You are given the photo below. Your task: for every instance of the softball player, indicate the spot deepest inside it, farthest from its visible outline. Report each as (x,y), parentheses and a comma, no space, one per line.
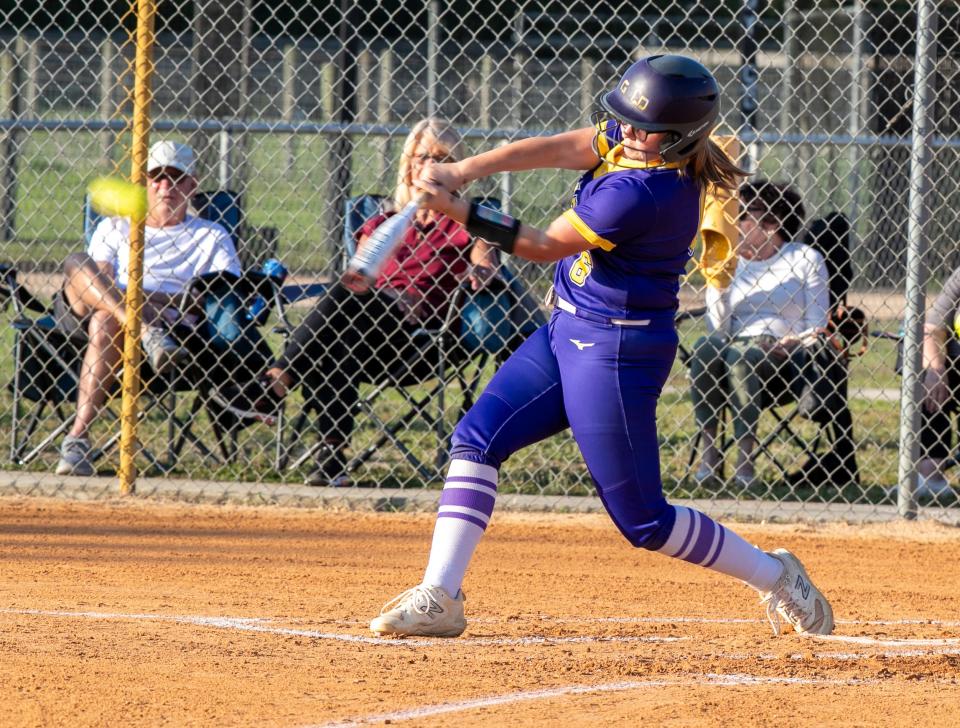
(599,365)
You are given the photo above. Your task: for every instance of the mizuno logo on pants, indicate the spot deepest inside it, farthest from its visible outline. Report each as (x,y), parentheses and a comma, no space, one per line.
(581,345)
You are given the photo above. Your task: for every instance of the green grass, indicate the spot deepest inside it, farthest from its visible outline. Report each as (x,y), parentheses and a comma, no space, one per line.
(555,466)
(288,189)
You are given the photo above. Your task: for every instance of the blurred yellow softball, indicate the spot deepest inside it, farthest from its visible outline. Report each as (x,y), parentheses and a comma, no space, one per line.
(115,196)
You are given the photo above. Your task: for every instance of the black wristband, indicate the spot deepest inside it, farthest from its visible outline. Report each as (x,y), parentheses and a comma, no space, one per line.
(495,227)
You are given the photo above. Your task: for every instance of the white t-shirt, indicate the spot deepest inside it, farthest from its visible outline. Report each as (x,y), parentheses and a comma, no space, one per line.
(172,255)
(785,294)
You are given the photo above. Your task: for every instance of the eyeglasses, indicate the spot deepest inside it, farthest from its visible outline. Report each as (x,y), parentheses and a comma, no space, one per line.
(173,176)
(757,213)
(438,158)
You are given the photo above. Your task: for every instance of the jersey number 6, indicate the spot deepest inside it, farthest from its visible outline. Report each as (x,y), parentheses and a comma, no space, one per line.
(582,268)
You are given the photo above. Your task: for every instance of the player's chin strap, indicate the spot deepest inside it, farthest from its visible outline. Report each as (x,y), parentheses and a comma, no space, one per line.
(498,229)
(599,120)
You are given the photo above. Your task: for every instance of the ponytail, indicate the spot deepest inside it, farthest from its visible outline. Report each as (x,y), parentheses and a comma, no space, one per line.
(710,166)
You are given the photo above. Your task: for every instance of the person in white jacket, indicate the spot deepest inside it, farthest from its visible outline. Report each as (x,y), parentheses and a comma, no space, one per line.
(753,354)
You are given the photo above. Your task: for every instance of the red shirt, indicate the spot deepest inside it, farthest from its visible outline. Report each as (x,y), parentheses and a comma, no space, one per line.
(427,265)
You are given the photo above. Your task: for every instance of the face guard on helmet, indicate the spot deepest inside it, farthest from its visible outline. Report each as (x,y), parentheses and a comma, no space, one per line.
(671,94)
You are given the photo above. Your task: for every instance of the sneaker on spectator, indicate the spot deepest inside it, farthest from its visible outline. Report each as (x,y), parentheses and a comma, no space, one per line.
(707,476)
(711,467)
(75,457)
(931,487)
(331,469)
(255,400)
(162,350)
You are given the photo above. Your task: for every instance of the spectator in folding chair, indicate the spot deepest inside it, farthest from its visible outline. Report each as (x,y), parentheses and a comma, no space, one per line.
(941,384)
(352,337)
(90,306)
(754,355)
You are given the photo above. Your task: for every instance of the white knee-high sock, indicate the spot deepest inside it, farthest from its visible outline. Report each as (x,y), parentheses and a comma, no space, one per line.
(699,539)
(466,505)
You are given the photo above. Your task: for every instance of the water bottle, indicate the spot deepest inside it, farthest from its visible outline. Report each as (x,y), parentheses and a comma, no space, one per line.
(278,272)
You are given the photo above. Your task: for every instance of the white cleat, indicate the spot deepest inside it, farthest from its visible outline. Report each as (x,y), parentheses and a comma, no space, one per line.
(424,611)
(796,599)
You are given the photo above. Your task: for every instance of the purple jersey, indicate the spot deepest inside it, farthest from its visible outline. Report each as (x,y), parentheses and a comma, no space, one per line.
(643,221)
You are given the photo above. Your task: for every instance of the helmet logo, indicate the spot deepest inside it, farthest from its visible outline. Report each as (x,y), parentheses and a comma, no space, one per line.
(640,101)
(624,86)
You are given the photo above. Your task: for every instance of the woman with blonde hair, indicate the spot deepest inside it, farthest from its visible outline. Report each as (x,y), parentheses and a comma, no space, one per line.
(440,136)
(359,334)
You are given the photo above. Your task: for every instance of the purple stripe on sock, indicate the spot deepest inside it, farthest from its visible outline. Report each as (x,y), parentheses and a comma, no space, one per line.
(472,481)
(716,553)
(691,521)
(468,498)
(463,517)
(704,540)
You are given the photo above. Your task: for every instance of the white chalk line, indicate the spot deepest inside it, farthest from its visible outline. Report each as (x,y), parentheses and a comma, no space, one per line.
(257,624)
(887,642)
(247,624)
(909,622)
(712,679)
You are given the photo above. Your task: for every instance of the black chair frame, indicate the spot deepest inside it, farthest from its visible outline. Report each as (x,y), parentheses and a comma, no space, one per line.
(453,363)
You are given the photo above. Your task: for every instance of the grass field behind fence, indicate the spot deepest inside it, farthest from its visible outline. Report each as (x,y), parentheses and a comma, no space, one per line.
(555,467)
(287,188)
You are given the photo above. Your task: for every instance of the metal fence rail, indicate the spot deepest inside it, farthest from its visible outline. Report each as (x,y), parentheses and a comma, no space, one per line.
(296,108)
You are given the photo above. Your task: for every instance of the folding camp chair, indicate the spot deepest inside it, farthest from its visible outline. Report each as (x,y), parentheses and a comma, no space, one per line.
(829,457)
(478,325)
(48,362)
(47,367)
(46,373)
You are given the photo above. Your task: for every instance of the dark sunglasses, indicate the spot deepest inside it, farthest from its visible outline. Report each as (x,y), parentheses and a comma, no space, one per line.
(173,176)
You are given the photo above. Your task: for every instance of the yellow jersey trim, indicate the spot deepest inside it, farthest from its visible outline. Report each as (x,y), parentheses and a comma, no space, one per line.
(603,146)
(614,161)
(591,237)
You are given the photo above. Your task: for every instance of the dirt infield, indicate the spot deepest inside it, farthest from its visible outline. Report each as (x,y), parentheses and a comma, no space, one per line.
(152,614)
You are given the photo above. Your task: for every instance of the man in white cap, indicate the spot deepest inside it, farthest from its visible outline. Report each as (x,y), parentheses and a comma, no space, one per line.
(90,307)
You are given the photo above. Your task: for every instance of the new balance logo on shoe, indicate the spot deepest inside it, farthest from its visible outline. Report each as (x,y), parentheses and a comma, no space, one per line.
(422,611)
(581,345)
(432,607)
(795,599)
(819,615)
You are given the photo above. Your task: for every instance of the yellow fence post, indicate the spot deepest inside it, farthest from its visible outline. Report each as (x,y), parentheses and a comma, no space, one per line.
(142,95)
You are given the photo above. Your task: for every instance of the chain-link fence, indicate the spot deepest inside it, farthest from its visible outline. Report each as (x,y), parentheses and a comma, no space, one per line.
(295,111)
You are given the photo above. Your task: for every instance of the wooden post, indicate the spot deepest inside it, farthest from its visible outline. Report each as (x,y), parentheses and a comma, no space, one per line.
(219,27)
(486,81)
(291,62)
(340,160)
(108,51)
(517,106)
(29,53)
(328,76)
(11,107)
(365,68)
(384,105)
(587,94)
(486,187)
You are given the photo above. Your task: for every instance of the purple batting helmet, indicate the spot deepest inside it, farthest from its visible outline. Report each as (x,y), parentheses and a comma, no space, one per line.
(667,94)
